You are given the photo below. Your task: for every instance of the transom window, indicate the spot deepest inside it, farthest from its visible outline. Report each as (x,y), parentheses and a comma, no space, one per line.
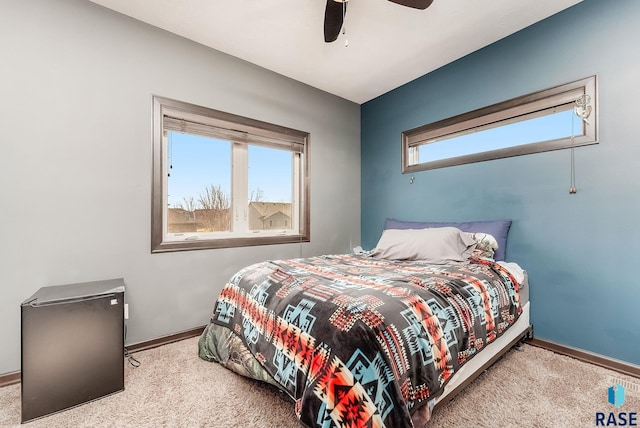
(221,180)
(552,119)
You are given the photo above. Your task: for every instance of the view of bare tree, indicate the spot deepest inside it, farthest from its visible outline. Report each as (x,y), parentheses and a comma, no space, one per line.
(214,198)
(211,211)
(188,204)
(257,195)
(214,213)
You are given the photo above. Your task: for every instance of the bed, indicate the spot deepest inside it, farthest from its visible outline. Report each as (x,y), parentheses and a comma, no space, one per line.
(379,338)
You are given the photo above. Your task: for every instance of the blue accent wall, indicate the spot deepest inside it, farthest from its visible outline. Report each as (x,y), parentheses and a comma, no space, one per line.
(580,251)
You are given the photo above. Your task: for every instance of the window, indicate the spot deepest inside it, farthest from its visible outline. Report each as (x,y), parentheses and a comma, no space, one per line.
(551,119)
(221,180)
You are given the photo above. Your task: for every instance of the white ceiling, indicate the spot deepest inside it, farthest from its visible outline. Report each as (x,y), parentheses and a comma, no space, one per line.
(388,44)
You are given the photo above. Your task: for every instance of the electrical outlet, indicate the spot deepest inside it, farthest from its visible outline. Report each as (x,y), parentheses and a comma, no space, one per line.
(126,311)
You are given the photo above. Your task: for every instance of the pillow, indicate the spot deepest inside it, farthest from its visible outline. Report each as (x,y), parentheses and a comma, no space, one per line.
(434,245)
(497,228)
(486,244)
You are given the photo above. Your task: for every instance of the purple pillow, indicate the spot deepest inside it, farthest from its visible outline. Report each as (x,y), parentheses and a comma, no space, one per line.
(498,228)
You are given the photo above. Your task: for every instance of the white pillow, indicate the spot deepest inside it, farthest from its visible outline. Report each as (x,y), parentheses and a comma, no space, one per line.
(434,245)
(486,244)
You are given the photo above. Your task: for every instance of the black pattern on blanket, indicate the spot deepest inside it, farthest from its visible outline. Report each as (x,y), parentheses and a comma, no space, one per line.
(358,341)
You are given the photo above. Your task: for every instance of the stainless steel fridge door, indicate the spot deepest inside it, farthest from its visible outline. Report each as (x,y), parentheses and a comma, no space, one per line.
(72,352)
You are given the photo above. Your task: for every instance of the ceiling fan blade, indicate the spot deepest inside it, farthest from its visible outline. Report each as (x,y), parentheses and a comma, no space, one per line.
(416,4)
(333,20)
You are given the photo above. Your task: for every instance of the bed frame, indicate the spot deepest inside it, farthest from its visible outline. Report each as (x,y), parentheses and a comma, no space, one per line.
(520,331)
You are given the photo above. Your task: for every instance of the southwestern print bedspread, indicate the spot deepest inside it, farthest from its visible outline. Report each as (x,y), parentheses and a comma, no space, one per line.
(364,342)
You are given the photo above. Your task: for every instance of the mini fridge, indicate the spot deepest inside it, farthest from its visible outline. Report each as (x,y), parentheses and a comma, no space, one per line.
(72,346)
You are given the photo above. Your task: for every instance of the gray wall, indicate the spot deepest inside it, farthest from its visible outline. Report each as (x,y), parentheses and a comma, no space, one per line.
(580,250)
(76,82)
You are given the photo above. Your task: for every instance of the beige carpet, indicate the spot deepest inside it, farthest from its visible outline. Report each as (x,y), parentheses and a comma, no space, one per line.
(174,388)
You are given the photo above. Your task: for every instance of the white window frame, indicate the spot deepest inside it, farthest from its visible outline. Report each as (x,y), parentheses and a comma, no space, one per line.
(173,115)
(521,108)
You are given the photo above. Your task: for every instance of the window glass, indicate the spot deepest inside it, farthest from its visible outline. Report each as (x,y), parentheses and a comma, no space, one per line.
(554,126)
(198,184)
(557,118)
(270,188)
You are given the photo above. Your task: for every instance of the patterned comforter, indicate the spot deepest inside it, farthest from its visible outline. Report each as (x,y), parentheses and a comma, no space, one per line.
(358,341)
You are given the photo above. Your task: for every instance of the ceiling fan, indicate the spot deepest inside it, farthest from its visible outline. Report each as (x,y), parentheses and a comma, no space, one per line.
(335,12)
